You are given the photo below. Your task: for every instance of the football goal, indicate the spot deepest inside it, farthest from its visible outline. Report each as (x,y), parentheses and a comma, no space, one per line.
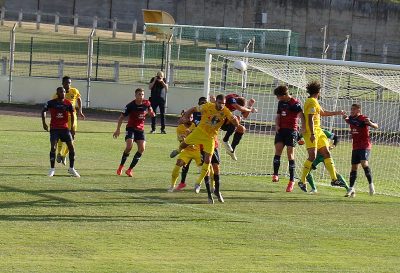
(375,86)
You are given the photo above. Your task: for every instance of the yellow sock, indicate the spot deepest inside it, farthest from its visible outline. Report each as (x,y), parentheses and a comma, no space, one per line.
(65,150)
(306,170)
(212,177)
(59,146)
(203,173)
(175,174)
(330,166)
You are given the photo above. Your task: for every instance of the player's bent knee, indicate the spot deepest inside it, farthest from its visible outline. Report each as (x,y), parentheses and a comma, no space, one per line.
(241,129)
(180,163)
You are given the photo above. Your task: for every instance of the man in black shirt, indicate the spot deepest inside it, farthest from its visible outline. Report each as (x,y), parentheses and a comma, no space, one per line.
(159,88)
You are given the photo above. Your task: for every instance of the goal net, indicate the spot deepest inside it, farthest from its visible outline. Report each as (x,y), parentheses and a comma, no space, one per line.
(375,86)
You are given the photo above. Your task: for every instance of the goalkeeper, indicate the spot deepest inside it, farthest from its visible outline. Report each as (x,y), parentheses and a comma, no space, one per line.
(310,179)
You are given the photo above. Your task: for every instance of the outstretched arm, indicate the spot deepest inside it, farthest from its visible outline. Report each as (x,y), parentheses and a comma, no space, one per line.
(186,116)
(332,113)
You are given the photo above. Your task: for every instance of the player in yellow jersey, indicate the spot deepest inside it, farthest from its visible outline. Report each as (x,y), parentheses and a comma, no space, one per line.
(74,97)
(213,115)
(187,154)
(314,137)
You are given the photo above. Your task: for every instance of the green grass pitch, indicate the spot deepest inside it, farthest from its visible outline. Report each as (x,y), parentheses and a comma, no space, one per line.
(105,223)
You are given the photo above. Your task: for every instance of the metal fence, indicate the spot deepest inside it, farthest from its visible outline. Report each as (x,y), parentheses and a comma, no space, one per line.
(42,51)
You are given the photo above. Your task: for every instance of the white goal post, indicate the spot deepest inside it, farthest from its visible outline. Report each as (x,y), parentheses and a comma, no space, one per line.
(375,86)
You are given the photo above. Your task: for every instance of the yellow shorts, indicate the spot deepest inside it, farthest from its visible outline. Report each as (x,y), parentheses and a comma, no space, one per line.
(199,137)
(187,155)
(75,126)
(320,140)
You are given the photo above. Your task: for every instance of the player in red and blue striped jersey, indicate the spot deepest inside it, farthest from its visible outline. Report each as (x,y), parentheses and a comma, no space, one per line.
(286,125)
(136,112)
(361,147)
(60,109)
(235,102)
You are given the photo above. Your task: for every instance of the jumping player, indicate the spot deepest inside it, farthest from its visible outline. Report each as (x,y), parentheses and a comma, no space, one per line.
(195,121)
(236,102)
(60,111)
(136,111)
(361,147)
(213,116)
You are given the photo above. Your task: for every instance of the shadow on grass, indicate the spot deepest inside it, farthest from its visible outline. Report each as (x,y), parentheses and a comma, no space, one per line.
(107,218)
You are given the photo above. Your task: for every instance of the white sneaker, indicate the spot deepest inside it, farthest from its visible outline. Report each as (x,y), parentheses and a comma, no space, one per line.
(229,150)
(371,189)
(171,189)
(197,188)
(52,171)
(73,172)
(350,193)
(228,147)
(233,156)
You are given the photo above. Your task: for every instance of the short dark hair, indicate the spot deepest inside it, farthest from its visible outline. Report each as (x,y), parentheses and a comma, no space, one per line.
(60,88)
(139,90)
(241,101)
(356,105)
(313,87)
(281,90)
(220,97)
(66,78)
(202,100)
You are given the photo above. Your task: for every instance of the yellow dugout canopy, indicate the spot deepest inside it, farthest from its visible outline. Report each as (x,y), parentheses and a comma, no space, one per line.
(158,17)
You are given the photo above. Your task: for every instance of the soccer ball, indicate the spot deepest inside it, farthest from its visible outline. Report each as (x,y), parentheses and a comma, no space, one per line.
(240,66)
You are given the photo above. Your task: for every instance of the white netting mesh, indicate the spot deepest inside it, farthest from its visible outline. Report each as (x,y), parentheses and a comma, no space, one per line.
(376,89)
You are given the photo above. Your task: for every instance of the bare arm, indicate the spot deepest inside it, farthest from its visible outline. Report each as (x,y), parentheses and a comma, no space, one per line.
(372,124)
(303,122)
(186,116)
(79,101)
(151,112)
(118,130)
(311,127)
(277,121)
(44,124)
(72,122)
(331,113)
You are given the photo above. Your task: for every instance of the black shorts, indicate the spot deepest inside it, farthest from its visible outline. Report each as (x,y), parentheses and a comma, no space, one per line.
(359,155)
(60,134)
(288,137)
(214,158)
(134,134)
(228,126)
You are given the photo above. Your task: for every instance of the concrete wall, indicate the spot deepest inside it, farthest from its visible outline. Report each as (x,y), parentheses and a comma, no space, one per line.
(371,24)
(104,95)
